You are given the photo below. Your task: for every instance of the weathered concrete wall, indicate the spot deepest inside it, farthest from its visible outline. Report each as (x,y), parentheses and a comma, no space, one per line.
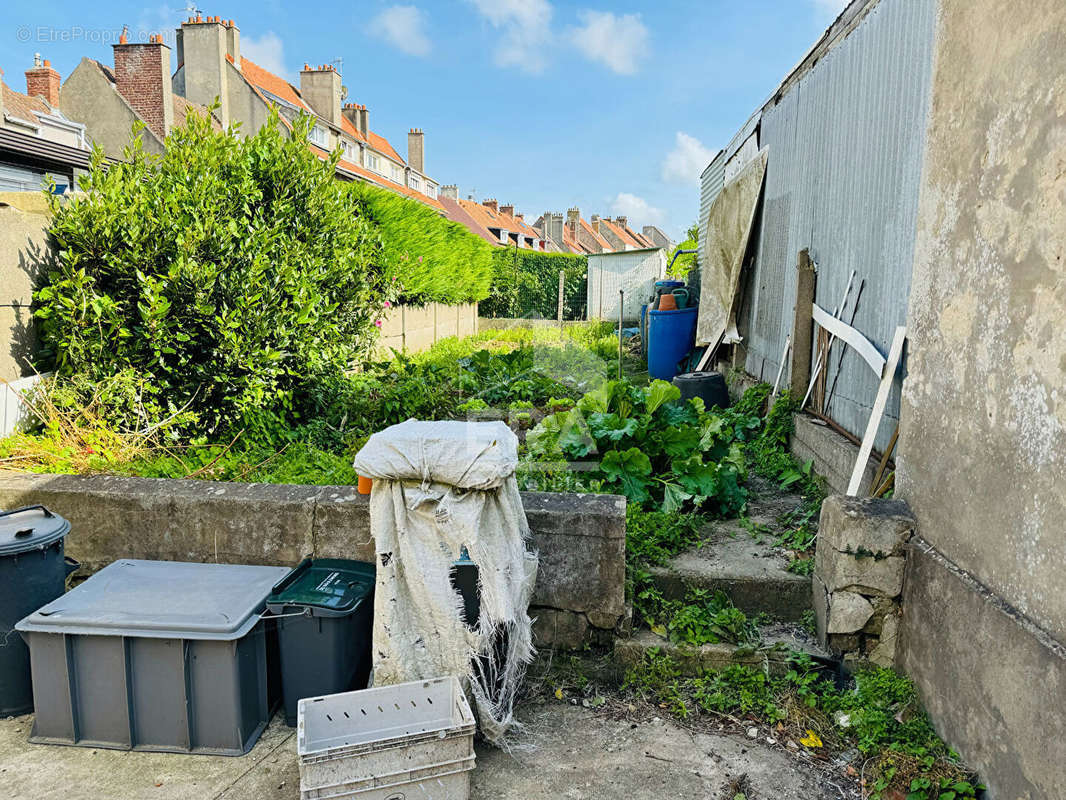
(580,591)
(983,422)
(984,435)
(994,683)
(418,328)
(24,256)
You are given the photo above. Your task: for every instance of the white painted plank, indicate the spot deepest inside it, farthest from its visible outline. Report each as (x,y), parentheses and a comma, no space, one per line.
(841,330)
(895,352)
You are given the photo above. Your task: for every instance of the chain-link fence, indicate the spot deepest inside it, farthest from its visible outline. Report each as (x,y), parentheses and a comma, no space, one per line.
(527,285)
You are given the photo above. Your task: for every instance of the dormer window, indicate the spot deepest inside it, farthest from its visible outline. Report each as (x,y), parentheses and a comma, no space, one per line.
(317,136)
(373,162)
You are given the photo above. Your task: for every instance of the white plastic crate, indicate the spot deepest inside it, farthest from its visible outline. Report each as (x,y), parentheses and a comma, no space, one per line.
(413,739)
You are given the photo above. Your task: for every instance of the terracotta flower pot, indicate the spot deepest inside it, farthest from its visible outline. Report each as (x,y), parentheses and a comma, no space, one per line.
(667,302)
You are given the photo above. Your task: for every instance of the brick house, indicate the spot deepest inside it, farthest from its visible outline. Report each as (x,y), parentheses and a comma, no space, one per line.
(499,224)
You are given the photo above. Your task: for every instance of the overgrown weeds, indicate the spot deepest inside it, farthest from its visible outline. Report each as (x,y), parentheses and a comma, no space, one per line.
(878,715)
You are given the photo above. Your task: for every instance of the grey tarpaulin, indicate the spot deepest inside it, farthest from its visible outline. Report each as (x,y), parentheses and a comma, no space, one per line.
(440,487)
(726,232)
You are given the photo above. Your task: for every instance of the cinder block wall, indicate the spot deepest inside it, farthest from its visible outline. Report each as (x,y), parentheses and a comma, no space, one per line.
(579,595)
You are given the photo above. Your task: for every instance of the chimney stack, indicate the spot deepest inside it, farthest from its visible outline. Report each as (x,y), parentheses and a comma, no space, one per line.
(43,80)
(520,217)
(490,204)
(573,217)
(553,227)
(451,191)
(203,47)
(416,150)
(142,77)
(508,210)
(321,87)
(621,221)
(594,220)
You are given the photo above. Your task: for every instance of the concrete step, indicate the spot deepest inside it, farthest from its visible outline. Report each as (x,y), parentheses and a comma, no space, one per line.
(771,655)
(741,560)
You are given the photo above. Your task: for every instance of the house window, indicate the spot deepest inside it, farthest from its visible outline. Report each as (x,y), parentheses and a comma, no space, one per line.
(318,136)
(397,174)
(349,151)
(415,183)
(431,190)
(373,162)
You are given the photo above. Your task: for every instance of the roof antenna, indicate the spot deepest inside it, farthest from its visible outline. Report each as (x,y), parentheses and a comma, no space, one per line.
(338,62)
(192,9)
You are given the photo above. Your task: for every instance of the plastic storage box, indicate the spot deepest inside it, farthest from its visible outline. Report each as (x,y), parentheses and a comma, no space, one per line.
(154,655)
(324,610)
(408,740)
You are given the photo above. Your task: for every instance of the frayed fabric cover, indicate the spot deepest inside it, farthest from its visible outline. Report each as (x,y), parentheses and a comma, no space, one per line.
(440,487)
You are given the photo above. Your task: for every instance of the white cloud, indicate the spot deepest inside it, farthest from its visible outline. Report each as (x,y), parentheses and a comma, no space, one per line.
(267,51)
(526,29)
(637,209)
(619,42)
(687,160)
(404,27)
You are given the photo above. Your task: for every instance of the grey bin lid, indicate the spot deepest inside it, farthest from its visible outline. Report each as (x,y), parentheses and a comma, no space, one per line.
(161,600)
(30,528)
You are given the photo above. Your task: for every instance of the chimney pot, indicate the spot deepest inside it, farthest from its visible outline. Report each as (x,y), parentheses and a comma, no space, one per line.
(43,80)
(199,19)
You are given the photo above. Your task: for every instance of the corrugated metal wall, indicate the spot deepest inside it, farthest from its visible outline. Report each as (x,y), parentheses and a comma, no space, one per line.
(711,182)
(845,150)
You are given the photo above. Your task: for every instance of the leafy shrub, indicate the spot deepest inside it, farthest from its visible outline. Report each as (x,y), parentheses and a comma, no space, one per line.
(436,259)
(654,450)
(525,283)
(226,275)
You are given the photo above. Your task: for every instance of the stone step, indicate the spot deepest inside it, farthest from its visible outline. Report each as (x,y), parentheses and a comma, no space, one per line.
(753,575)
(771,655)
(740,559)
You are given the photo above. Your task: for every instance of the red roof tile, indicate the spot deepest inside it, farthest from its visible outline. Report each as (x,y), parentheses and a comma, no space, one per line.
(600,240)
(456,213)
(22,106)
(269,82)
(487,218)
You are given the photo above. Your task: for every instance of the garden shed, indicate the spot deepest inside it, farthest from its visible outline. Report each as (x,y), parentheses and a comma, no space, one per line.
(634,272)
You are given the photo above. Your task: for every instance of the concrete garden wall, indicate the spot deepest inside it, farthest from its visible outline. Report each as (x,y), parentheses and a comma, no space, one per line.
(418,328)
(580,591)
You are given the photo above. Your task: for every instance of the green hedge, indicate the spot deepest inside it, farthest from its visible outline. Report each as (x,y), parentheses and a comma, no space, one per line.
(525,283)
(436,260)
(218,280)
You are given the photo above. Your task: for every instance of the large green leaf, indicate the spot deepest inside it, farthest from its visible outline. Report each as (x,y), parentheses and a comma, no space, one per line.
(679,442)
(659,392)
(631,469)
(697,477)
(611,427)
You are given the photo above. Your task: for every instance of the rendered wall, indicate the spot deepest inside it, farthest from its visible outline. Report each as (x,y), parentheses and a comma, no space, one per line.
(579,595)
(418,328)
(983,413)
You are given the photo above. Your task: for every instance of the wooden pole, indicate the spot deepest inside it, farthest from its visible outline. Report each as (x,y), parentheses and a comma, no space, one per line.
(562,279)
(802,324)
(621,302)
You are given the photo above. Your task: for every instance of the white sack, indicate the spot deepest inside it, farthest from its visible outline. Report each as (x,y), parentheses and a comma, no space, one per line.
(440,487)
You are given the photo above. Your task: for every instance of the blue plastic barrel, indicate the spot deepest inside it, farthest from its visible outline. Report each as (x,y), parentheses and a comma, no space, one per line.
(671,336)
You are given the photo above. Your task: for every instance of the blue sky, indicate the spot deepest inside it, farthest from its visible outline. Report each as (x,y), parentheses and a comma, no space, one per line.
(612,107)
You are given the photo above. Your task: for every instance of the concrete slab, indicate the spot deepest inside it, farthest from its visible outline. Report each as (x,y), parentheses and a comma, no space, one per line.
(52,772)
(570,752)
(583,755)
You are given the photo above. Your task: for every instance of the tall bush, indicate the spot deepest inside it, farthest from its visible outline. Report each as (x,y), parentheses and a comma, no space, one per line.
(219,278)
(525,283)
(437,260)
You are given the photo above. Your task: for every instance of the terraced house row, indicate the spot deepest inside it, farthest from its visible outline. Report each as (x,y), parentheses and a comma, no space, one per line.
(100,103)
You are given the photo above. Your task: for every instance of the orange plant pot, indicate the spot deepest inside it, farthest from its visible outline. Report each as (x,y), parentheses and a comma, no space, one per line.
(667,302)
(365,485)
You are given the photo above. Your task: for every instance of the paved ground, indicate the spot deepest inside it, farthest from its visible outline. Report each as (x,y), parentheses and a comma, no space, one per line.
(572,753)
